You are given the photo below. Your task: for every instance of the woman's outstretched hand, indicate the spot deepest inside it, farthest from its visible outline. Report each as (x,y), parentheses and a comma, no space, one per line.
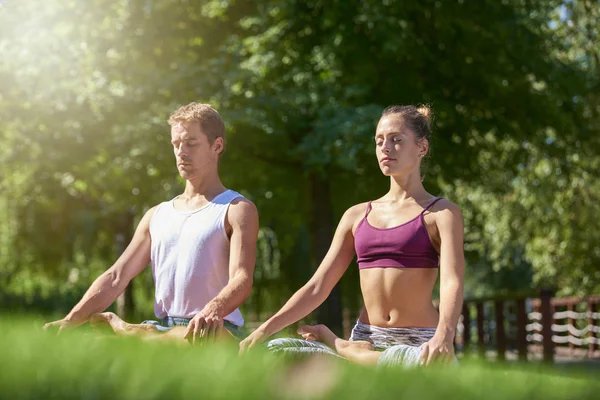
(256,337)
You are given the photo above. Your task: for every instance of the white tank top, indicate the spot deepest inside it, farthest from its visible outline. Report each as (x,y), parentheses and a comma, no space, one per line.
(190,257)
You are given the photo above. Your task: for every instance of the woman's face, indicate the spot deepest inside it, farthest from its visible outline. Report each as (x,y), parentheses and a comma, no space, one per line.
(397,148)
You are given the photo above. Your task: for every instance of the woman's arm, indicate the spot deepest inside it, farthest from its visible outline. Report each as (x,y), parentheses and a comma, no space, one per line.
(449,222)
(314,293)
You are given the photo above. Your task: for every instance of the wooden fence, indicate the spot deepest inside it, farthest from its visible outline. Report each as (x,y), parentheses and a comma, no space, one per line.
(530,325)
(534,325)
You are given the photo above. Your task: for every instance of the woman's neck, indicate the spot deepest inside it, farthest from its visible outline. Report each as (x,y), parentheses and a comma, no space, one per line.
(406,186)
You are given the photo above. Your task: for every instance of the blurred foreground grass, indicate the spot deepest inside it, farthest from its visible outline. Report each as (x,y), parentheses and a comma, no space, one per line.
(84,365)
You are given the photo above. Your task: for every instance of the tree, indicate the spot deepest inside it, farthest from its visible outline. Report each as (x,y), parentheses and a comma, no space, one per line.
(85,90)
(315,75)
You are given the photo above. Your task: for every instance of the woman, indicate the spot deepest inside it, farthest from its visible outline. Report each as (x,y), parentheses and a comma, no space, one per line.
(400,239)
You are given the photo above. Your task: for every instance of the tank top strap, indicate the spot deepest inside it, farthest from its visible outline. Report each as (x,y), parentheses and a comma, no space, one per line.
(431,204)
(228,196)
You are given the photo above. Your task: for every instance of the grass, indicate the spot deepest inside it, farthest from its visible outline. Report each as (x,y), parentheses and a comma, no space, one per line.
(84,365)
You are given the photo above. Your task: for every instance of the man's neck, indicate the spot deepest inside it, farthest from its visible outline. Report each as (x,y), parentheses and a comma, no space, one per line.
(203,189)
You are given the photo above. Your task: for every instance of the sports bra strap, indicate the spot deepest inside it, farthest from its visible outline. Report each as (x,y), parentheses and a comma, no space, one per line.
(368,209)
(431,204)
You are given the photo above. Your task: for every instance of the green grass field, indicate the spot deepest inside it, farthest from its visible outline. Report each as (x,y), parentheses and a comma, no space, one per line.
(85,365)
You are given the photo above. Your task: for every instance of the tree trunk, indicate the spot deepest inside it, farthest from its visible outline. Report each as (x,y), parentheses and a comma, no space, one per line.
(125,304)
(321,232)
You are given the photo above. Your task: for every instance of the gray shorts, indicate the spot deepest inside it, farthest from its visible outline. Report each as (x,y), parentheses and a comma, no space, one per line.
(169,323)
(400,346)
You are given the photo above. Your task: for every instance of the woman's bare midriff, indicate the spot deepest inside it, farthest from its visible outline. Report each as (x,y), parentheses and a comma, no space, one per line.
(398,297)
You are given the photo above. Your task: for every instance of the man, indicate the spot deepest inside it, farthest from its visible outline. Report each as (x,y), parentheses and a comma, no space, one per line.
(202,245)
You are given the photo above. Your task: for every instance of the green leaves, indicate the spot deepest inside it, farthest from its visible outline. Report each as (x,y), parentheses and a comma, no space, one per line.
(85,90)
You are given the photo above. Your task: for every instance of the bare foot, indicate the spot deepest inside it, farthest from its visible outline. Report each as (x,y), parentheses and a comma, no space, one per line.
(118,325)
(102,320)
(319,332)
(359,351)
(310,332)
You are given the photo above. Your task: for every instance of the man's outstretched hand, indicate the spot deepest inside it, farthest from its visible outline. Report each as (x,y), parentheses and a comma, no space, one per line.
(61,325)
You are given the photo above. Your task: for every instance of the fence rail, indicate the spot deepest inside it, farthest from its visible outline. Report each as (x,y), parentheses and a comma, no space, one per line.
(531,323)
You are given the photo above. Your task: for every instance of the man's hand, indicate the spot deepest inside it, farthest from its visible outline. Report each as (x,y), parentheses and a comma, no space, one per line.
(62,324)
(438,349)
(206,324)
(256,337)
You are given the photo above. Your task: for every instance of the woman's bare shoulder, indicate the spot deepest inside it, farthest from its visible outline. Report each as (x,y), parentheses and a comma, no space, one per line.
(356,211)
(444,209)
(354,215)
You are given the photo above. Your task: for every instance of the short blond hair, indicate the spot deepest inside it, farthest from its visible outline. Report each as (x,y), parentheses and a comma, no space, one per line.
(211,123)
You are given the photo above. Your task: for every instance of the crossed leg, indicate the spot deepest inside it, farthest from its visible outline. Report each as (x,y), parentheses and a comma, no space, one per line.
(146,331)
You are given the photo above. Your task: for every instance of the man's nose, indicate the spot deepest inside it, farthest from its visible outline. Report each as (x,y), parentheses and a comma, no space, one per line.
(180,151)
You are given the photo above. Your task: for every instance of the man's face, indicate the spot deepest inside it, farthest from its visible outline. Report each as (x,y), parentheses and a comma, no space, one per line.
(193,154)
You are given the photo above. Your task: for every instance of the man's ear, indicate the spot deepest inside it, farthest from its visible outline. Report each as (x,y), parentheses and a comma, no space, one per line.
(219,145)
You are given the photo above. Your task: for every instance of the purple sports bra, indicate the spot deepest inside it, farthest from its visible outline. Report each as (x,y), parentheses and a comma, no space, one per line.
(403,246)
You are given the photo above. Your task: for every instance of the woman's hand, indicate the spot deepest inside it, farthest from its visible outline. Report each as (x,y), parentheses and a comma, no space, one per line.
(256,337)
(438,349)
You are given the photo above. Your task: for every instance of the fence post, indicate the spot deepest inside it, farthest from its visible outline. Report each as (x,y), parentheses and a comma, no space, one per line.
(570,321)
(500,335)
(592,307)
(521,330)
(480,332)
(547,318)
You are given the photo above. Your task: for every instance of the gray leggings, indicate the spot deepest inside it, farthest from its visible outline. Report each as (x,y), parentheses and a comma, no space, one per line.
(399,346)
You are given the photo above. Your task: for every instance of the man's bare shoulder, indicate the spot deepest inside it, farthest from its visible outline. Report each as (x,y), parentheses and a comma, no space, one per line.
(150,213)
(145,221)
(242,209)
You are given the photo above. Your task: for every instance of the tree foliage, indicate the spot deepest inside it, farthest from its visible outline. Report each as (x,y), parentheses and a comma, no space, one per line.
(85,90)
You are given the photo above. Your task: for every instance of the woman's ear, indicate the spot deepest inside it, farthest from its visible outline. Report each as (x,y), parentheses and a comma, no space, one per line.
(423,147)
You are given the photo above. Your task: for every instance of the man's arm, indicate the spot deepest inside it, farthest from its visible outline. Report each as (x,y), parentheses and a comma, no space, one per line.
(108,286)
(242,217)
(452,270)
